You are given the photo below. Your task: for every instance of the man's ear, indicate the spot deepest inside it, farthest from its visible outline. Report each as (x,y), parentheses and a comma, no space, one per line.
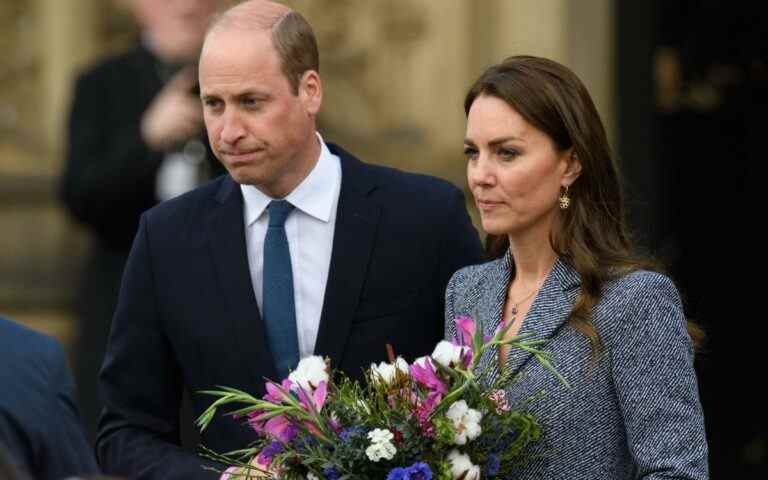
(311,92)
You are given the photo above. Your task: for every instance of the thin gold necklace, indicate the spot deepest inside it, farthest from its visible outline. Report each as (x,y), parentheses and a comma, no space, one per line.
(516,304)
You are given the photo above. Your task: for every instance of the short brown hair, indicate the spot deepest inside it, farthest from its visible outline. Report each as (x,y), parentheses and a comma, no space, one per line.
(296,46)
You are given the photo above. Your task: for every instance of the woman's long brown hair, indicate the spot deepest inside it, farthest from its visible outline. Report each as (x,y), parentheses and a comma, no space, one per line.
(592,233)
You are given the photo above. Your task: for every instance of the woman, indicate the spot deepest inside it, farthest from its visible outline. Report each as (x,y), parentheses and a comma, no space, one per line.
(548,193)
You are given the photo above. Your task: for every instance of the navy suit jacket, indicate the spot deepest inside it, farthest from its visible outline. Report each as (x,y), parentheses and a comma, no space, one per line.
(39,421)
(187,316)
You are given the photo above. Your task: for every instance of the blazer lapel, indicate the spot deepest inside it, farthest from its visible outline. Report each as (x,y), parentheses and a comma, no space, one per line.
(226,232)
(549,312)
(357,218)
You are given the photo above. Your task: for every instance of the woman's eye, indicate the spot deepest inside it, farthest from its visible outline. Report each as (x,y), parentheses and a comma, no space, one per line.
(470,152)
(508,153)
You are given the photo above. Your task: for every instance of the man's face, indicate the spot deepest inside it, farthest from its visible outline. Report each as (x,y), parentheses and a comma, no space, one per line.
(261,131)
(175,27)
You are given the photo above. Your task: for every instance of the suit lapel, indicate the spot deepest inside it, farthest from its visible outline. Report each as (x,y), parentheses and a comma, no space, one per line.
(226,232)
(548,313)
(357,219)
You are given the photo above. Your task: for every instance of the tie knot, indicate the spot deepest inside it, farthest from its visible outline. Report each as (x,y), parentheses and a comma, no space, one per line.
(278,212)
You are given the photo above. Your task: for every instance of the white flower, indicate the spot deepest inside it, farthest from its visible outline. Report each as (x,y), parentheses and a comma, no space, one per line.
(466,422)
(381,445)
(310,372)
(380,435)
(386,371)
(312,476)
(377,451)
(447,353)
(461,463)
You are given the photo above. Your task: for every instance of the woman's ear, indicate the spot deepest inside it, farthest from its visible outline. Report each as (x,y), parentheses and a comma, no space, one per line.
(572,167)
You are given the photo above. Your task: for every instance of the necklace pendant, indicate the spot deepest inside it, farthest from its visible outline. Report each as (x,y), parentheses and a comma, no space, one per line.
(514,310)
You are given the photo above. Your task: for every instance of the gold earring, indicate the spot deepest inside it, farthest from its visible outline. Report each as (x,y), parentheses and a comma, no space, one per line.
(564,199)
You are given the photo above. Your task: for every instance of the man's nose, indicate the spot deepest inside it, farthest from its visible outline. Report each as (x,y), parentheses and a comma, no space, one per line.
(232,129)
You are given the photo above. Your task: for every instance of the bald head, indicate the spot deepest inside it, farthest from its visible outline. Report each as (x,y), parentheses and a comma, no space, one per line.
(258,14)
(292,36)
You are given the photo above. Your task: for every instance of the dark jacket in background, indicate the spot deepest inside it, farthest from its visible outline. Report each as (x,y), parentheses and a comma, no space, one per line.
(39,420)
(109,180)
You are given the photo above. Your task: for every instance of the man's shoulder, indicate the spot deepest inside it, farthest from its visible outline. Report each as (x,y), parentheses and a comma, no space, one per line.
(29,361)
(116,66)
(390,179)
(19,340)
(192,203)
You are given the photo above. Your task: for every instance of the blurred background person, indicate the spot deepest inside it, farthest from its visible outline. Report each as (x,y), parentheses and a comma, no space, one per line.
(135,138)
(40,424)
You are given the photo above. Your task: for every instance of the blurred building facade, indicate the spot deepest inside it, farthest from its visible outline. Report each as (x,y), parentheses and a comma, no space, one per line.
(395,73)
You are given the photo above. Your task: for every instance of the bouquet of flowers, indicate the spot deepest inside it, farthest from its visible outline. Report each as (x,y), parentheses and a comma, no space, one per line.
(433,419)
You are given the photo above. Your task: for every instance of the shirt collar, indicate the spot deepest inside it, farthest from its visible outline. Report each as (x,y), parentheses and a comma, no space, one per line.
(313,196)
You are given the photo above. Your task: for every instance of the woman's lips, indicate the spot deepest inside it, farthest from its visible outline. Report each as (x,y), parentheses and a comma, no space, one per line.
(486,205)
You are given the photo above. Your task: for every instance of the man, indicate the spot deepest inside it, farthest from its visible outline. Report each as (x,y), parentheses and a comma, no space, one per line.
(302,249)
(135,138)
(39,422)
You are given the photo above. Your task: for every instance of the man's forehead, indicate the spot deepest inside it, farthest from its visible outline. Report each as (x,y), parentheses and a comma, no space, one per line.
(236,37)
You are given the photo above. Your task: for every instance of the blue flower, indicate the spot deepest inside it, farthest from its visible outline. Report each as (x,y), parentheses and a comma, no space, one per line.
(418,471)
(492,465)
(331,473)
(349,433)
(398,474)
(269,452)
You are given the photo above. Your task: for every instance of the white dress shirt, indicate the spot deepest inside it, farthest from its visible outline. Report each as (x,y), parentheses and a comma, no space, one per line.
(309,229)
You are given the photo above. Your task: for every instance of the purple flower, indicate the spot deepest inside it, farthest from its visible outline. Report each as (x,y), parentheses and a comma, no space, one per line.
(398,474)
(348,434)
(266,455)
(331,473)
(418,471)
(492,465)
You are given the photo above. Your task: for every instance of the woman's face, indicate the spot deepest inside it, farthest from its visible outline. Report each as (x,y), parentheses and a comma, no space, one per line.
(514,170)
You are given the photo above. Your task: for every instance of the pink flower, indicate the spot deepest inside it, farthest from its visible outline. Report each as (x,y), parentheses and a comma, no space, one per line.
(424,373)
(280,428)
(465,329)
(277,393)
(255,421)
(314,401)
(424,409)
(499,397)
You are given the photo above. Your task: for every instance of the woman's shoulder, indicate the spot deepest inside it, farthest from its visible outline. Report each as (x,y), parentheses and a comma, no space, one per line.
(640,285)
(472,274)
(642,296)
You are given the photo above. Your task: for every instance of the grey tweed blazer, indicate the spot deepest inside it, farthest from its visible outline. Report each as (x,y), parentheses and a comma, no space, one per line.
(635,413)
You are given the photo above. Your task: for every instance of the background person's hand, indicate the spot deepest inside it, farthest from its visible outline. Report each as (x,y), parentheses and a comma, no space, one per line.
(175,114)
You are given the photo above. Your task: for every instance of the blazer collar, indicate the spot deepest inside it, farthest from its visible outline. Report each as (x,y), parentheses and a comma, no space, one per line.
(548,313)
(357,220)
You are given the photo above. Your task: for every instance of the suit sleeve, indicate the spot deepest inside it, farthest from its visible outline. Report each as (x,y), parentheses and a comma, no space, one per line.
(109,168)
(459,243)
(64,450)
(652,367)
(141,385)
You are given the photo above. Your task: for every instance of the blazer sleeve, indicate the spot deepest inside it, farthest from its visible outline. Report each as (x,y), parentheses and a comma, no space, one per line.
(141,385)
(64,450)
(460,245)
(652,367)
(454,285)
